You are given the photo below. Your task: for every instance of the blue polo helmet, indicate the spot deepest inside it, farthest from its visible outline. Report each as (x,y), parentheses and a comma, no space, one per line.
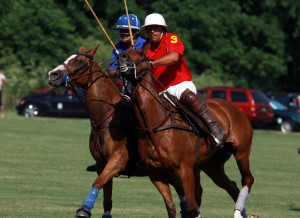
(122,22)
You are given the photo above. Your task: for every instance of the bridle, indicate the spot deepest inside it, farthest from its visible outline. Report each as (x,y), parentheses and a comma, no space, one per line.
(69,83)
(66,78)
(130,65)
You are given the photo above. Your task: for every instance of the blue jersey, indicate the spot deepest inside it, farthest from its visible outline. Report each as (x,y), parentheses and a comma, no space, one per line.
(121,47)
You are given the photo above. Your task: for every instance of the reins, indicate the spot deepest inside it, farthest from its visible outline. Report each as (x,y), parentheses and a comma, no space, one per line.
(168,107)
(68,82)
(141,77)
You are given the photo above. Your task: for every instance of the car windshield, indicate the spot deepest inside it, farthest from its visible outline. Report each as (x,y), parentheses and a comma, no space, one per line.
(260,97)
(277,106)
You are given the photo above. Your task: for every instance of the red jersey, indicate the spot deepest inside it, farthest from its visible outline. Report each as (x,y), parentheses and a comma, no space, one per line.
(173,74)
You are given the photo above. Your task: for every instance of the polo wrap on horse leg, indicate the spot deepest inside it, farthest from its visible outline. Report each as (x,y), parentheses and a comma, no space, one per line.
(199,107)
(240,202)
(183,207)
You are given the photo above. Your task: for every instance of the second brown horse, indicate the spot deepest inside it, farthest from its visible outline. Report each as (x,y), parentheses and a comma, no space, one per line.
(175,148)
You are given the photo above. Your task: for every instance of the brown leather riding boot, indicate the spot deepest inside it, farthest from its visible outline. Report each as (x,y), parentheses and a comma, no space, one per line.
(199,107)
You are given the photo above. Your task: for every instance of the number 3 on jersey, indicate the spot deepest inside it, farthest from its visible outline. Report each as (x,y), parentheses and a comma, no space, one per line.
(174,39)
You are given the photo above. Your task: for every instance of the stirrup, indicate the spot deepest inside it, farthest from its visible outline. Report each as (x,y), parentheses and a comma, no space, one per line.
(126,97)
(216,142)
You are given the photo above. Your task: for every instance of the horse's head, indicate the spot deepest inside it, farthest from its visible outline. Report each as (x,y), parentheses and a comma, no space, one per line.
(75,69)
(133,63)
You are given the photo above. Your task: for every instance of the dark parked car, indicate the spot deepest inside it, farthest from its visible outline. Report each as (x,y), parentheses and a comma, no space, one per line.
(254,103)
(290,100)
(285,119)
(61,102)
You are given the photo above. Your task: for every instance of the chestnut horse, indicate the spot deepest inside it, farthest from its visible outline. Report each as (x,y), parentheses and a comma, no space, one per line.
(174,148)
(113,141)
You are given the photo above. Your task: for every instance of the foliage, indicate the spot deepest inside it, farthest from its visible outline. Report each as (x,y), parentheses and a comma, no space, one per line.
(243,43)
(209,79)
(36,36)
(223,39)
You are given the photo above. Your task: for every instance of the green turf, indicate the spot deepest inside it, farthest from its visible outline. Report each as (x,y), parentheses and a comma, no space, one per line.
(42,174)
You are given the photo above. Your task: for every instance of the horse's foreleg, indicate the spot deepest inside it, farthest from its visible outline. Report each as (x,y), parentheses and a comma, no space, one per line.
(181,195)
(176,183)
(107,199)
(188,183)
(164,189)
(198,188)
(115,164)
(198,195)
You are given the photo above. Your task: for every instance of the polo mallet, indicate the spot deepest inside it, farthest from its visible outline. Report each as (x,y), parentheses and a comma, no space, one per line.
(107,36)
(129,26)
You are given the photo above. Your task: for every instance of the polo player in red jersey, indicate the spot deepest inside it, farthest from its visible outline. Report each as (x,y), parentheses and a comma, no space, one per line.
(166,51)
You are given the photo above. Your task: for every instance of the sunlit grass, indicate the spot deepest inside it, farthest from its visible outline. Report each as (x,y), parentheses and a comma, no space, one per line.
(42,174)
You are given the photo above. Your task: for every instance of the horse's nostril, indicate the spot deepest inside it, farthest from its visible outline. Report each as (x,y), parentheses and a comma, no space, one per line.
(54,75)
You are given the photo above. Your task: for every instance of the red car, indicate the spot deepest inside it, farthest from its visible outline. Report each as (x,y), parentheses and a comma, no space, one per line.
(254,103)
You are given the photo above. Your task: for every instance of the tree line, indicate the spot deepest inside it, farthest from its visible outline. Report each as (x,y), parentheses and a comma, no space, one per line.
(245,43)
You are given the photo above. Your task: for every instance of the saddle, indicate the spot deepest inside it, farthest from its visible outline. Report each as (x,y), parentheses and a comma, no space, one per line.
(187,115)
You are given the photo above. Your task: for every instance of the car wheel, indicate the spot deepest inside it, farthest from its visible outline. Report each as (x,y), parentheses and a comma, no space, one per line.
(287,126)
(31,110)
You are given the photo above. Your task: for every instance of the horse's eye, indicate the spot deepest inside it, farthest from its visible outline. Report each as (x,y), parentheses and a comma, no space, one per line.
(141,53)
(79,61)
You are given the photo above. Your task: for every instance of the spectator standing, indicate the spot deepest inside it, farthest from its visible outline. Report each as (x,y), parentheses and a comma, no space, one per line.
(3,81)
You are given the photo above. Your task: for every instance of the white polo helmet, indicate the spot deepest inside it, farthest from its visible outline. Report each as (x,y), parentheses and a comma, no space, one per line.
(155,19)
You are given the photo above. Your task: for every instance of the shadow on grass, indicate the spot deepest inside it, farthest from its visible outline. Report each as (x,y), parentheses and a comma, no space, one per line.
(294,208)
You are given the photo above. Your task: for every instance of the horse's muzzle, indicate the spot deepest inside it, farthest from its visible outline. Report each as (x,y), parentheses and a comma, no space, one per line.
(124,64)
(123,59)
(54,78)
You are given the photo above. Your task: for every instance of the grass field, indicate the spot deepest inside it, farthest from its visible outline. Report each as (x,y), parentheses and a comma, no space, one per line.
(42,174)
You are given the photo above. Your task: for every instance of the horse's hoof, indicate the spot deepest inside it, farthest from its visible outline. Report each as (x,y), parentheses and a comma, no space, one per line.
(237,214)
(83,212)
(106,216)
(253,216)
(92,168)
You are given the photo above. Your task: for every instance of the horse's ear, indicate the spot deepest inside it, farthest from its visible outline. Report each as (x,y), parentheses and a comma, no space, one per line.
(93,50)
(146,48)
(82,49)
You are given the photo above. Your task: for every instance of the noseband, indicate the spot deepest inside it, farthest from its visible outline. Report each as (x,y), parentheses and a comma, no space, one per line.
(66,78)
